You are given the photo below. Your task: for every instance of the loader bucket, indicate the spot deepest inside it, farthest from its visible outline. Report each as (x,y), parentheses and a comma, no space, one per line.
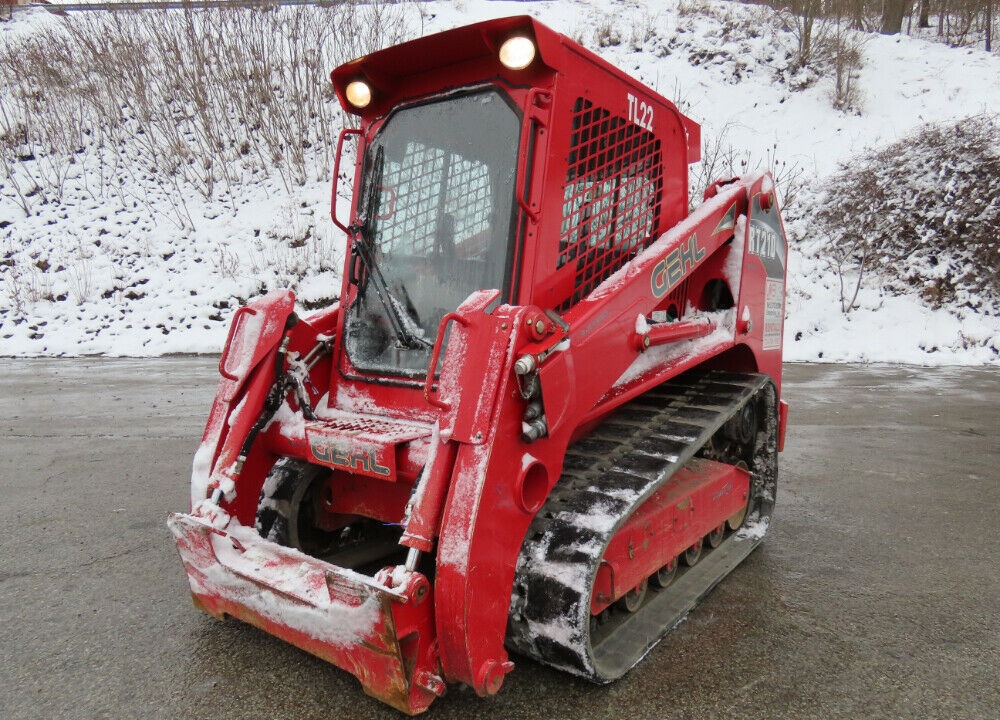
(378,629)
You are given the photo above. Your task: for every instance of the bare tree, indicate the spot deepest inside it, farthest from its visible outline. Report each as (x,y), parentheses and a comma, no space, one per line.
(925,19)
(989,25)
(803,16)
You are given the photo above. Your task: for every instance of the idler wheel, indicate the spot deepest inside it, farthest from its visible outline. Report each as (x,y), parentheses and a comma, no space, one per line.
(715,537)
(736,521)
(742,427)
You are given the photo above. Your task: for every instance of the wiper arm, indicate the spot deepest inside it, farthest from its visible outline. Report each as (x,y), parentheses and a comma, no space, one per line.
(399,326)
(363,246)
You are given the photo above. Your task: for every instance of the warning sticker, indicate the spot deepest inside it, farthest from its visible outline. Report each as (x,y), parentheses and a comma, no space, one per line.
(774,304)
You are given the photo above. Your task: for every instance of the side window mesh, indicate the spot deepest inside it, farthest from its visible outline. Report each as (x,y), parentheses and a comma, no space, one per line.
(611,199)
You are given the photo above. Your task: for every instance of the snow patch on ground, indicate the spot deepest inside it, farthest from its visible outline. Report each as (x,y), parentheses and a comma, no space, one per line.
(753,531)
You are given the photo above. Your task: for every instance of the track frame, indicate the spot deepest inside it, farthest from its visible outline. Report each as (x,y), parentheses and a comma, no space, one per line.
(658,433)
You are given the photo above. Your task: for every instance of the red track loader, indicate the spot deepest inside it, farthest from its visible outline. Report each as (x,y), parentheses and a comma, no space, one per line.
(544,416)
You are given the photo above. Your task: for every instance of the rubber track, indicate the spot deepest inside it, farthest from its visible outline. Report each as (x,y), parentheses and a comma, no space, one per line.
(606,476)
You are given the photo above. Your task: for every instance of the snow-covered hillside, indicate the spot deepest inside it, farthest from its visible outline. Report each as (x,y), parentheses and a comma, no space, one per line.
(124,269)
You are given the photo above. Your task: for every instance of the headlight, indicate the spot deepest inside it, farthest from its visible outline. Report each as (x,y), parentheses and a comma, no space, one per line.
(358,94)
(517,52)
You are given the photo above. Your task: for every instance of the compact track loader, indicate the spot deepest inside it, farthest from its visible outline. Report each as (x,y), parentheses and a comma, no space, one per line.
(544,416)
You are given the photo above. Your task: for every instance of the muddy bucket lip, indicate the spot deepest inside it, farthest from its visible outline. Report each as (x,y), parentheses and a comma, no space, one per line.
(337,614)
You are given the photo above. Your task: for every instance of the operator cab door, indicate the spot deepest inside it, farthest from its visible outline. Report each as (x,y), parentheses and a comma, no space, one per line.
(437,215)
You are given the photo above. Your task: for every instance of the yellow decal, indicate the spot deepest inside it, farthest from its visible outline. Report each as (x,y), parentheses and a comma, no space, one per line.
(728,221)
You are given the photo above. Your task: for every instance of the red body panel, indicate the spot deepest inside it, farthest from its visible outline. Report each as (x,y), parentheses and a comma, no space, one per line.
(598,313)
(677,516)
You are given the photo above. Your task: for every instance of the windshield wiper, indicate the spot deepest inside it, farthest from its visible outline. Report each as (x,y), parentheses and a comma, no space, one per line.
(364,247)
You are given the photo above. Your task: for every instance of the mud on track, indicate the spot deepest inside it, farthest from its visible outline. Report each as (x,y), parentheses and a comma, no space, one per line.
(874,594)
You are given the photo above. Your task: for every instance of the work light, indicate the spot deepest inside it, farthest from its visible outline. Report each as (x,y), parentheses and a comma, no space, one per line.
(358,93)
(517,52)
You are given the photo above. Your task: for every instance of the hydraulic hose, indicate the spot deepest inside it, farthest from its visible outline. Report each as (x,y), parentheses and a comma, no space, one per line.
(284,382)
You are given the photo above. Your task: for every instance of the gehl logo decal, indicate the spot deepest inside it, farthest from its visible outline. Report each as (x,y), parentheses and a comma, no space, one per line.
(669,271)
(364,461)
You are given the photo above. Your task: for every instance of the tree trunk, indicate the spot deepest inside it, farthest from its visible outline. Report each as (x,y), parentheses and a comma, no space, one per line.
(893,12)
(805,43)
(858,15)
(989,25)
(925,12)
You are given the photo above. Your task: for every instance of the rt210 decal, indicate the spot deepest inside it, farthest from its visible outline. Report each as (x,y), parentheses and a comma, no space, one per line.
(766,240)
(669,271)
(640,112)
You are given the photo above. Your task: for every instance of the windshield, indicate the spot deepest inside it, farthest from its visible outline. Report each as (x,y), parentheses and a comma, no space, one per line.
(434,224)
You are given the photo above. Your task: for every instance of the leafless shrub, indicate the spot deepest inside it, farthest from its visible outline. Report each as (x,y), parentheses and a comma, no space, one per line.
(16,290)
(850,258)
(827,44)
(578,34)
(643,30)
(24,285)
(606,33)
(806,21)
(695,7)
(13,141)
(921,215)
(845,48)
(227,263)
(81,274)
(681,98)
(789,176)
(720,160)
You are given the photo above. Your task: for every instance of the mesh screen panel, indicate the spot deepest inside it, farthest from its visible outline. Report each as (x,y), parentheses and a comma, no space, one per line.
(611,200)
(427,176)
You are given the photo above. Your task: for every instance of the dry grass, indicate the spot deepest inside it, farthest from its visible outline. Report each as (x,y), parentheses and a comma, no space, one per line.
(201,100)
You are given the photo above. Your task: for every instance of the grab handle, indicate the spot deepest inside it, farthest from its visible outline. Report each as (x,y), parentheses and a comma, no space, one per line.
(229,341)
(435,356)
(336,176)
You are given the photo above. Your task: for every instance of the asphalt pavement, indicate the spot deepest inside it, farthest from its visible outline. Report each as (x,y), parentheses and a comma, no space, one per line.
(876,594)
